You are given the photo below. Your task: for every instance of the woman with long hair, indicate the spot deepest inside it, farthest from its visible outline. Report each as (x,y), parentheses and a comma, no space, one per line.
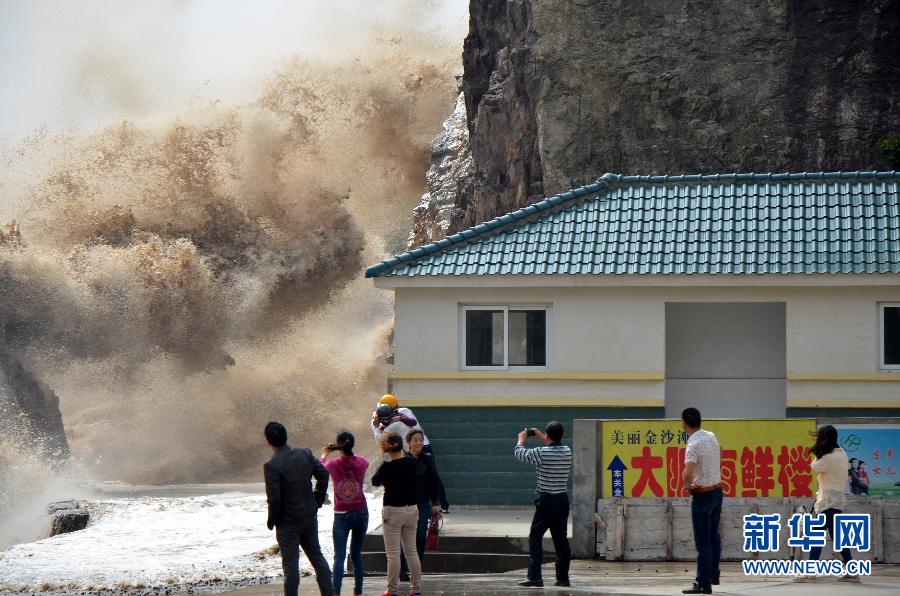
(351,513)
(830,464)
(399,515)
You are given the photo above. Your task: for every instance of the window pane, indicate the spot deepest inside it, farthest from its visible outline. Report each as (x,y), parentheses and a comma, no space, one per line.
(484,338)
(528,338)
(891,335)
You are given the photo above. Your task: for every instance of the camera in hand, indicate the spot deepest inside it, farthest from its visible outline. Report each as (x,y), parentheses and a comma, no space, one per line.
(530,432)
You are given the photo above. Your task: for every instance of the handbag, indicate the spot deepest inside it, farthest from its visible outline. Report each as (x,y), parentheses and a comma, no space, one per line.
(434,526)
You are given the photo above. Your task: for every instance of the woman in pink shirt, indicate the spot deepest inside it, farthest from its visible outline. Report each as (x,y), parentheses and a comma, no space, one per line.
(351,514)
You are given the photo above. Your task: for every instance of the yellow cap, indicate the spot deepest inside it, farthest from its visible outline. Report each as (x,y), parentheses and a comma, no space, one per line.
(389,400)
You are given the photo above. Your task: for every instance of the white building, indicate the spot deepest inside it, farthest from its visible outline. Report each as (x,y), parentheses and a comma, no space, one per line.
(747,296)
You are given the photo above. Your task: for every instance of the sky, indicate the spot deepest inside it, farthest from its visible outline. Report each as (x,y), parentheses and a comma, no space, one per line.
(80,64)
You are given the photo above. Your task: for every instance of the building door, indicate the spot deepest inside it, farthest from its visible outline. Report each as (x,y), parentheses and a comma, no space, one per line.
(728,359)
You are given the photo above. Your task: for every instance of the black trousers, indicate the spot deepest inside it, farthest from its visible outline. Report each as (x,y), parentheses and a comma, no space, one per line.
(442,492)
(551,513)
(305,536)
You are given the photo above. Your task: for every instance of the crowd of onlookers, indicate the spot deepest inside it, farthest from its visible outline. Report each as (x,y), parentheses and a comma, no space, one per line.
(413,500)
(414,495)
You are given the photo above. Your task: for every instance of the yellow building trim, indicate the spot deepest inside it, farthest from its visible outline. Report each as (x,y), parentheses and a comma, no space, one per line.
(845,377)
(472,375)
(625,402)
(843,403)
(488,402)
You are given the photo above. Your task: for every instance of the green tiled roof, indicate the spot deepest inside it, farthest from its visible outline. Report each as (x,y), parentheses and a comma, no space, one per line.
(834,222)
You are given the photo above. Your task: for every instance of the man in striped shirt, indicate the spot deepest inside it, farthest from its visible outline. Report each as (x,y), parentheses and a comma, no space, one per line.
(554,463)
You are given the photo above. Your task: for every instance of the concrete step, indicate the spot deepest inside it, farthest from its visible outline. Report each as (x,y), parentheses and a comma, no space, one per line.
(469,544)
(448,562)
(471,541)
(462,554)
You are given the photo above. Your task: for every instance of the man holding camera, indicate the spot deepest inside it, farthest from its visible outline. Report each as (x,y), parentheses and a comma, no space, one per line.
(554,464)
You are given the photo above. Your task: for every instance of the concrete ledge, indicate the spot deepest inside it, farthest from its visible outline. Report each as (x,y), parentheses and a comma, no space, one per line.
(659,529)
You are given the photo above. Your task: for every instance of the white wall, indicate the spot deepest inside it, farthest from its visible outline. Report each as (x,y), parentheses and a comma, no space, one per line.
(615,329)
(620,329)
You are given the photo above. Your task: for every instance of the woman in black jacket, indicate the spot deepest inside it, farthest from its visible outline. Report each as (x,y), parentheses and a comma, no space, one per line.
(426,490)
(398,475)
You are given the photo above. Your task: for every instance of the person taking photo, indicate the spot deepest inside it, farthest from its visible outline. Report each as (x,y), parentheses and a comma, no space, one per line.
(351,512)
(830,465)
(551,512)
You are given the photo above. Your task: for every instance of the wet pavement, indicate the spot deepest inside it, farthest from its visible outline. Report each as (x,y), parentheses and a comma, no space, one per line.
(593,576)
(622,579)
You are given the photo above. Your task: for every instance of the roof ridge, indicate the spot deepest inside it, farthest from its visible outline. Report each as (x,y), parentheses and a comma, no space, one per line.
(611,178)
(489,226)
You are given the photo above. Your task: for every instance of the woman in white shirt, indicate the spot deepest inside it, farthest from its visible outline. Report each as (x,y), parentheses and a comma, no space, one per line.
(830,465)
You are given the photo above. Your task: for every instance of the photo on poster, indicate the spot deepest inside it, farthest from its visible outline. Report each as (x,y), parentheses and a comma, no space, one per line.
(873,471)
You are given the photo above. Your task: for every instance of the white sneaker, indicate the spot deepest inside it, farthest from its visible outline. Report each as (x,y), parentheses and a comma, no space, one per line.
(850,579)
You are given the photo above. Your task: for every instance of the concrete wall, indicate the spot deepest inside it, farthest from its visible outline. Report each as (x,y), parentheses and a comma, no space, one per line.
(725,340)
(732,349)
(660,528)
(590,329)
(613,330)
(586,489)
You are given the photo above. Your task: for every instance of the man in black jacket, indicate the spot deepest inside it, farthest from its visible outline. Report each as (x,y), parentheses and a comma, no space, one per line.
(293,505)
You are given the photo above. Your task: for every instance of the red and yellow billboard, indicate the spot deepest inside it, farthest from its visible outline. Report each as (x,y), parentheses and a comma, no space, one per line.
(760,458)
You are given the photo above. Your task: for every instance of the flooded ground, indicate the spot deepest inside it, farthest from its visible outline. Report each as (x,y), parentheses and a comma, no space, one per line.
(159,540)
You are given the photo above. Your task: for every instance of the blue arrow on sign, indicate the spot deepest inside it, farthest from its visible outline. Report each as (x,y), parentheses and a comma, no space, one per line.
(618,476)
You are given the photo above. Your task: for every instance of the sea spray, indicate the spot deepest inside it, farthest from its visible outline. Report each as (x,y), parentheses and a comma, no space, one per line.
(180,280)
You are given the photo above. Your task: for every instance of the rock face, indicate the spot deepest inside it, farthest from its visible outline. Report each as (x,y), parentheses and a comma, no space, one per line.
(449,180)
(556,93)
(29,411)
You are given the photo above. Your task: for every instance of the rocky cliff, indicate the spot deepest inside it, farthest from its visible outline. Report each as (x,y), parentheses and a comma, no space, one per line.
(557,93)
(449,180)
(29,412)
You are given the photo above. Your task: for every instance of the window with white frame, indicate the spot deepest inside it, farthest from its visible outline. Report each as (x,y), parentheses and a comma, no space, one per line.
(889,332)
(502,337)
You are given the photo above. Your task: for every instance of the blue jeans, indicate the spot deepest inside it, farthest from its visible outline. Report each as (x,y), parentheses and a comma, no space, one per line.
(345,523)
(421,534)
(816,551)
(706,510)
